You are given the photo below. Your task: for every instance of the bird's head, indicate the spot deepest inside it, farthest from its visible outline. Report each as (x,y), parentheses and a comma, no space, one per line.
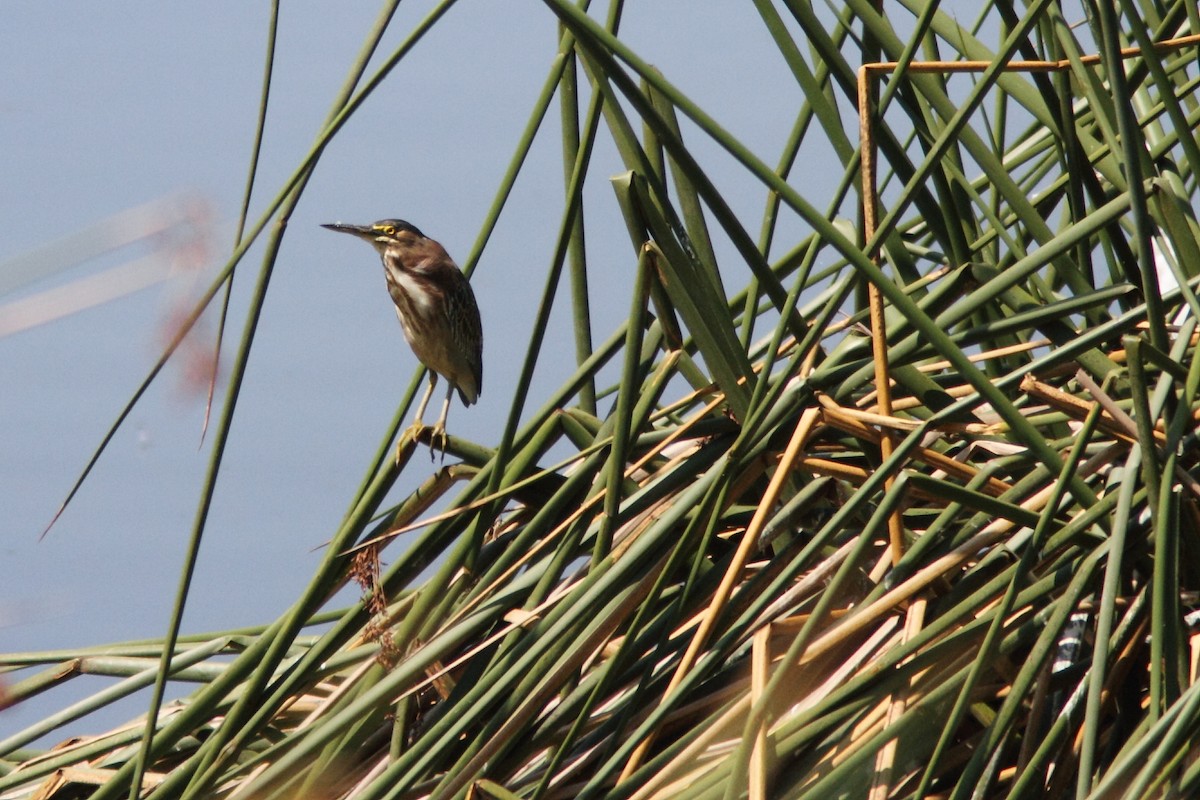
(395,238)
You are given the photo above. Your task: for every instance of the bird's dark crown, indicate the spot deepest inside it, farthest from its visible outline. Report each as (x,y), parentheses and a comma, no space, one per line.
(391,227)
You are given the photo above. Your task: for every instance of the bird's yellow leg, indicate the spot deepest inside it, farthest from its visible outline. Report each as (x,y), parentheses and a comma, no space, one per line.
(415,429)
(417,423)
(439,428)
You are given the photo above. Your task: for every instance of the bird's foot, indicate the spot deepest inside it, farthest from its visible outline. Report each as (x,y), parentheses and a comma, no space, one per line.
(438,440)
(408,439)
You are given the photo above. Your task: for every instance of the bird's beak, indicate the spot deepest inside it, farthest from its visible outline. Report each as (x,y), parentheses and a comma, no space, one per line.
(361,231)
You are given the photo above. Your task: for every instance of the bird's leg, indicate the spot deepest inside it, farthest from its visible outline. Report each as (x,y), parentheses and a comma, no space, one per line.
(439,428)
(415,429)
(417,423)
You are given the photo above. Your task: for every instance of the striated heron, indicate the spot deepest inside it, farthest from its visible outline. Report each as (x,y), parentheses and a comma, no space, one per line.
(436,307)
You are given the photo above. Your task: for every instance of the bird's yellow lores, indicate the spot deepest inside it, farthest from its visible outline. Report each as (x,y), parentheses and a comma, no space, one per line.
(436,307)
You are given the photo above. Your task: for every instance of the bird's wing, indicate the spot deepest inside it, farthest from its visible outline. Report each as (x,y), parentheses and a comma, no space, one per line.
(468,328)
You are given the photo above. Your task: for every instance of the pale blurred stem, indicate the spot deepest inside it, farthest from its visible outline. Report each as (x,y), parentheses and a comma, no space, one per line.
(220,440)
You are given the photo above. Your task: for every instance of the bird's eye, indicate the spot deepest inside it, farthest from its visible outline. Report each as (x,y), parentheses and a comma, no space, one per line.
(390,230)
